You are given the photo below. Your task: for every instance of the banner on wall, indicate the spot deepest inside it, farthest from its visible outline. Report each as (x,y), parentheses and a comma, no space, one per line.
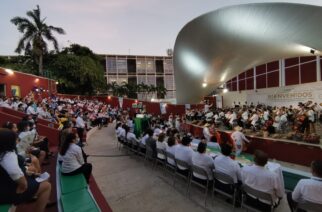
(290,95)
(163,108)
(219,101)
(187,106)
(121,102)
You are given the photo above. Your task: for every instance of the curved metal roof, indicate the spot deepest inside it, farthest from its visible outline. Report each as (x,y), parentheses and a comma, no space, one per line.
(219,45)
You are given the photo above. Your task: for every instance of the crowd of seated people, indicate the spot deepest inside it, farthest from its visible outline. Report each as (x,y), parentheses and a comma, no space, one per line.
(283,120)
(161,135)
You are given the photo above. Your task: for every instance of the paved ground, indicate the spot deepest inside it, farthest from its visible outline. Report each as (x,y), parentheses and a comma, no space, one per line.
(130,185)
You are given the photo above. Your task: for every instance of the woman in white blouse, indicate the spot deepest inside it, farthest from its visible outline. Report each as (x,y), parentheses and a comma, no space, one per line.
(17,188)
(73,160)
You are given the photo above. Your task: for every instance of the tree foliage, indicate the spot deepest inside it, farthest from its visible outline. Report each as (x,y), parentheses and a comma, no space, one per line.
(78,71)
(131,90)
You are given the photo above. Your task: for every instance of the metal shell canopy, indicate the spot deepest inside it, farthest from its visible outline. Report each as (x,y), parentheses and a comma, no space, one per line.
(219,45)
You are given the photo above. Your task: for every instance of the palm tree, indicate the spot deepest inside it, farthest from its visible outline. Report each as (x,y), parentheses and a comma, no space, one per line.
(35,32)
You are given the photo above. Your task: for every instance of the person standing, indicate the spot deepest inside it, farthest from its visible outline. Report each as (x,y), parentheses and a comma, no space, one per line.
(239,139)
(80,125)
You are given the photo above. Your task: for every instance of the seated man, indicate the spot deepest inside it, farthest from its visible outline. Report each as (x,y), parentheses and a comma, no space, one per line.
(259,178)
(201,159)
(184,152)
(223,163)
(308,189)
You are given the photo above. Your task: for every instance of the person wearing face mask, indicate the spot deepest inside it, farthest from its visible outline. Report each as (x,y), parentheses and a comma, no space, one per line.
(73,159)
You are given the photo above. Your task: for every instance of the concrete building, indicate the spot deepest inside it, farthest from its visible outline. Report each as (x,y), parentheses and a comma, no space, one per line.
(136,69)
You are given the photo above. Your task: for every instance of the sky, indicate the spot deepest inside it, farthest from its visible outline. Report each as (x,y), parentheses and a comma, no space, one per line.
(137,27)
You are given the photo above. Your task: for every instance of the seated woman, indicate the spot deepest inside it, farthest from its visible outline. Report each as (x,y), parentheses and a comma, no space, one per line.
(73,160)
(29,160)
(26,138)
(17,188)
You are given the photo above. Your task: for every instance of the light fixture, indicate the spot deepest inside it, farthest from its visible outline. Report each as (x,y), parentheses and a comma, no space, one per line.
(108,97)
(204,84)
(57,83)
(9,71)
(37,80)
(312,51)
(225,90)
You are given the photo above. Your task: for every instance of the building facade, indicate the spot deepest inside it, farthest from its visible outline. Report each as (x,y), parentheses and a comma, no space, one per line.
(135,69)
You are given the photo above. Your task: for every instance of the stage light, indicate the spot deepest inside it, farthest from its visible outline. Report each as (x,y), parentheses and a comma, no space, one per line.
(9,71)
(312,51)
(225,90)
(37,80)
(204,84)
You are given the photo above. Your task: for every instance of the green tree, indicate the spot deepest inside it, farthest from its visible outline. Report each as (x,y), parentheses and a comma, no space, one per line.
(78,73)
(35,34)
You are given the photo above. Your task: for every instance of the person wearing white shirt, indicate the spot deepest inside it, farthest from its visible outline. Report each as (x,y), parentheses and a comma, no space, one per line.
(130,137)
(207,107)
(201,159)
(254,119)
(266,114)
(245,116)
(16,188)
(161,144)
(31,110)
(171,148)
(224,164)
(144,138)
(311,117)
(239,139)
(157,131)
(184,152)
(73,160)
(308,189)
(80,125)
(258,177)
(206,132)
(232,118)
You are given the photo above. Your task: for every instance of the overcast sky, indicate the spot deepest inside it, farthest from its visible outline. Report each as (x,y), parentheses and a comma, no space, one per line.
(144,27)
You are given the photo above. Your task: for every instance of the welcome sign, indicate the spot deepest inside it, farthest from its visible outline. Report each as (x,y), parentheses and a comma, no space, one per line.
(284,96)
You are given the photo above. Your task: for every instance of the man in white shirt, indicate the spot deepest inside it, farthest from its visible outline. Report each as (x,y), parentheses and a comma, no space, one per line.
(308,189)
(184,152)
(258,177)
(201,159)
(171,148)
(223,163)
(80,125)
(254,119)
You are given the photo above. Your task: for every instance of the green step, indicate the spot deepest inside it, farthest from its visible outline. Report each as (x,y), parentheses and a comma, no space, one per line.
(5,207)
(73,183)
(80,201)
